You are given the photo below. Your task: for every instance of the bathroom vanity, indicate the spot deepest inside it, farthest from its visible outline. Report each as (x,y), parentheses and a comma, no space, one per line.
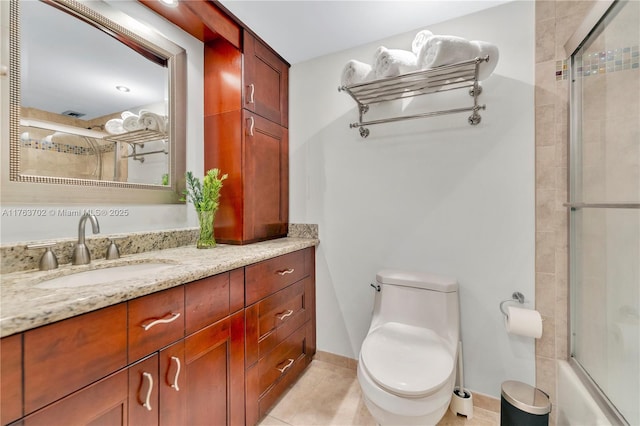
(215,339)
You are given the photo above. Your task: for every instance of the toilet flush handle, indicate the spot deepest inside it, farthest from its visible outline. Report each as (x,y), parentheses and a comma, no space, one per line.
(376,286)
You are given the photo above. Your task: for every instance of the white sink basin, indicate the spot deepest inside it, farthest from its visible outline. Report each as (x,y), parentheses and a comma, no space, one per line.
(104,275)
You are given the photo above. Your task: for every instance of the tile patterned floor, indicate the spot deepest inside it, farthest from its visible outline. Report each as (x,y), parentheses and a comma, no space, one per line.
(329,395)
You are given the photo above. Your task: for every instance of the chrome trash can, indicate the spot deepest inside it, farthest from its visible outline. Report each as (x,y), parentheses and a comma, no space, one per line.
(523,405)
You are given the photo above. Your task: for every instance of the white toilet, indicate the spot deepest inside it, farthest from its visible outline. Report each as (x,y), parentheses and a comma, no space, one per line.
(407,365)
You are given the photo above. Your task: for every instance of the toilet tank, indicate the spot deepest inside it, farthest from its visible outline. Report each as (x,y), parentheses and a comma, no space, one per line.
(419,299)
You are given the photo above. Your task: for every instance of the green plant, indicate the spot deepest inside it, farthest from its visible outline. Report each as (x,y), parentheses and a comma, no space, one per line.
(205,196)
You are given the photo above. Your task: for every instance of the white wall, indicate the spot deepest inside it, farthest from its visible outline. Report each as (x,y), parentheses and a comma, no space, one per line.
(434,195)
(142,217)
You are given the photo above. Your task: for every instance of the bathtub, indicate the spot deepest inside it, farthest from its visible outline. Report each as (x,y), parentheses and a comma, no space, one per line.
(575,406)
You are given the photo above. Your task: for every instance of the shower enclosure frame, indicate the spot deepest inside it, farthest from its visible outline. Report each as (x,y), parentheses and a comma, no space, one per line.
(581,36)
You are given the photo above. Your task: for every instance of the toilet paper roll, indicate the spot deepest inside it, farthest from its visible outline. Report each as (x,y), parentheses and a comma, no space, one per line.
(524,322)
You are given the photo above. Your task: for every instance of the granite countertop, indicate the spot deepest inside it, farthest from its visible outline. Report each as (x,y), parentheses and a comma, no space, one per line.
(24,306)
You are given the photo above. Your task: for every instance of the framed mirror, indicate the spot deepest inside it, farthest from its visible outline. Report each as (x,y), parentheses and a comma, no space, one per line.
(96,106)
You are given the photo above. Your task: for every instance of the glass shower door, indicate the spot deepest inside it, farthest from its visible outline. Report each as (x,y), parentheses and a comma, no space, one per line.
(605,214)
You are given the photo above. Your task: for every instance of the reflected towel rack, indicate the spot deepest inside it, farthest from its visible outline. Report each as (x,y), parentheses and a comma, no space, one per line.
(137,136)
(448,77)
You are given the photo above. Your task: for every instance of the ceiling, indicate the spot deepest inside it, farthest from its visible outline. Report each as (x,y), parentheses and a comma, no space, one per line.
(300,30)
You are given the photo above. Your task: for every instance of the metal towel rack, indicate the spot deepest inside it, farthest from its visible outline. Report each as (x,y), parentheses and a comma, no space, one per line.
(448,77)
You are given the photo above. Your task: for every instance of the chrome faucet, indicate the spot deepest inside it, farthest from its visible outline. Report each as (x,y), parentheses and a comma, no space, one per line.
(81,255)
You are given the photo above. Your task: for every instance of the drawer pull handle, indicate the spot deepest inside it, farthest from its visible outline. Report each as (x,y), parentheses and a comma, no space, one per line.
(289,364)
(286,271)
(175,378)
(172,317)
(285,314)
(147,401)
(253,91)
(253,122)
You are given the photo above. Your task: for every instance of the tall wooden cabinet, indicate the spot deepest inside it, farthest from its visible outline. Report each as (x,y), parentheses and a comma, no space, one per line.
(246,94)
(246,136)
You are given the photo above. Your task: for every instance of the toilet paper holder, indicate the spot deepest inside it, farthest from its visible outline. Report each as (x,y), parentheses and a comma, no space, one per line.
(515,297)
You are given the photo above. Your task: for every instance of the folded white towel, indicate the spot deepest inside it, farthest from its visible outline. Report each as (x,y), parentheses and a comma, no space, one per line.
(114,126)
(131,123)
(484,49)
(355,72)
(419,40)
(151,121)
(441,50)
(126,114)
(392,62)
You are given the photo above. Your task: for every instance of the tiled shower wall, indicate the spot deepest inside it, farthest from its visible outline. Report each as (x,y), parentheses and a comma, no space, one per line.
(556,21)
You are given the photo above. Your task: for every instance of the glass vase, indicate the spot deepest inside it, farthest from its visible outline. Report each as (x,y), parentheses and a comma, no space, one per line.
(206,238)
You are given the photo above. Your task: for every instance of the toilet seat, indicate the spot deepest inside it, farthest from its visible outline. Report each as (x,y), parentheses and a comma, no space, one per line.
(406,360)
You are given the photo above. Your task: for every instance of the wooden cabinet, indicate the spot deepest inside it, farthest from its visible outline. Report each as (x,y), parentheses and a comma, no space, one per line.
(65,356)
(143,392)
(102,403)
(155,321)
(171,385)
(246,136)
(214,355)
(254,203)
(246,109)
(280,327)
(11,378)
(265,81)
(170,358)
(217,351)
(214,373)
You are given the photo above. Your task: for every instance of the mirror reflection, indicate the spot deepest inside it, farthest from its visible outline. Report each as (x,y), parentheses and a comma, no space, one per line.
(91,106)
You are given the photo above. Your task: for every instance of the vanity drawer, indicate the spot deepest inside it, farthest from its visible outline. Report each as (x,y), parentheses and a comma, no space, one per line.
(271,320)
(282,359)
(265,383)
(269,276)
(211,299)
(65,356)
(155,321)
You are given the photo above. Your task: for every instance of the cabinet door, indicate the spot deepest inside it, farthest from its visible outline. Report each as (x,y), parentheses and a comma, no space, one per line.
(102,403)
(11,378)
(266,178)
(172,386)
(143,392)
(214,373)
(266,82)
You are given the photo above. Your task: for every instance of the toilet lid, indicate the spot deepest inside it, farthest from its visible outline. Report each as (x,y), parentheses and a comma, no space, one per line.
(406,360)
